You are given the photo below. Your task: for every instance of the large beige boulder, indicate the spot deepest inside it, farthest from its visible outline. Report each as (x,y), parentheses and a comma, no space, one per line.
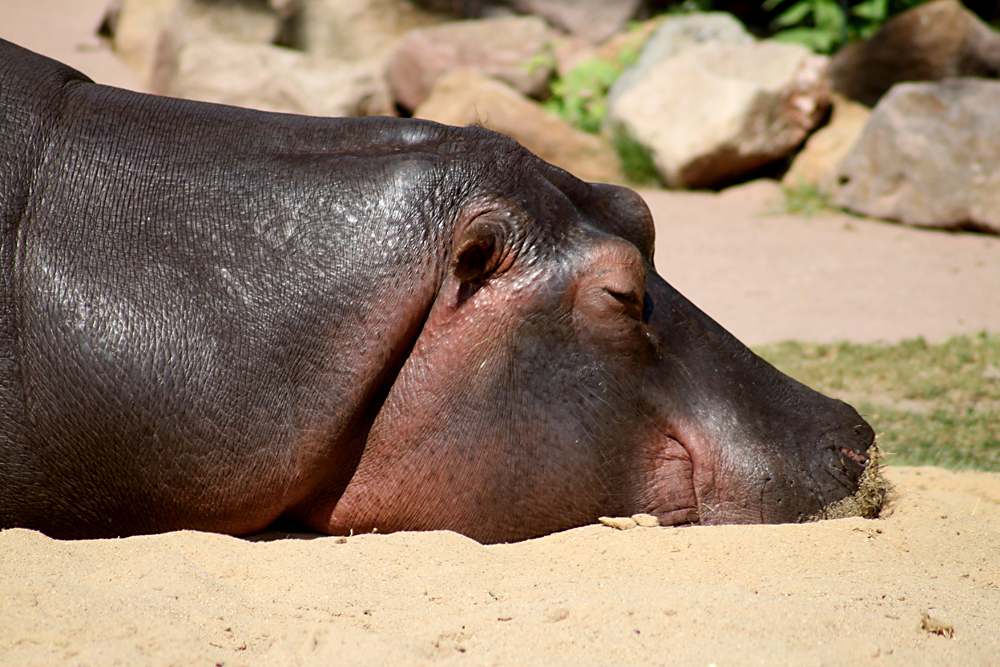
(929,156)
(359,29)
(816,164)
(466,97)
(148,34)
(717,111)
(271,78)
(932,41)
(516,50)
(676,34)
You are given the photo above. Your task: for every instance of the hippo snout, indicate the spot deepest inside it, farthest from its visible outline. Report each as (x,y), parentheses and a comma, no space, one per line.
(830,469)
(846,449)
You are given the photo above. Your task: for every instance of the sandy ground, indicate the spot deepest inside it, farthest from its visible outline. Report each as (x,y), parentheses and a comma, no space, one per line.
(850,591)
(768,277)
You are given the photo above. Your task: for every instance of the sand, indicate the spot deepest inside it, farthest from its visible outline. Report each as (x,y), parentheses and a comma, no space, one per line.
(919,586)
(849,591)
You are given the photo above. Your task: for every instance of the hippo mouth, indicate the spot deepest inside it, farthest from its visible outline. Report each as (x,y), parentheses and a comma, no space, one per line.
(853,461)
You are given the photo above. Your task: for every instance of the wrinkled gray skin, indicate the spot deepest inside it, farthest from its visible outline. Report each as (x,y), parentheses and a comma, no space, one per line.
(215,317)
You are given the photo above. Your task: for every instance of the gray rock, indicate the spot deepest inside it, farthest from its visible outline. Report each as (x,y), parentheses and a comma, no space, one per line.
(515,50)
(466,97)
(244,21)
(930,42)
(359,29)
(148,34)
(929,156)
(718,111)
(271,78)
(675,35)
(593,20)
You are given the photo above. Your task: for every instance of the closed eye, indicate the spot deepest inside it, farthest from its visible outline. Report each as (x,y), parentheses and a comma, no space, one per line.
(633,307)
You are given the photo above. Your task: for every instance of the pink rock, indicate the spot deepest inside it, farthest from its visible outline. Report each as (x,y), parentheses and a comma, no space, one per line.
(515,50)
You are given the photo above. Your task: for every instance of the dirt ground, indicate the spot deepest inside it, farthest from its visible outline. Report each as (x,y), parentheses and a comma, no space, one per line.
(919,586)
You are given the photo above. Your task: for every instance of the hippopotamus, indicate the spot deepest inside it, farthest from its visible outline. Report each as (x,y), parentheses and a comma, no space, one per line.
(217,318)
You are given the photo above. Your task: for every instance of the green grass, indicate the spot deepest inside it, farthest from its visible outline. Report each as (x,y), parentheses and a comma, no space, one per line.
(637,161)
(807,200)
(930,404)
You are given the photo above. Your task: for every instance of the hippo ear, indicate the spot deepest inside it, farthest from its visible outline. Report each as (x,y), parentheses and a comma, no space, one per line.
(479,252)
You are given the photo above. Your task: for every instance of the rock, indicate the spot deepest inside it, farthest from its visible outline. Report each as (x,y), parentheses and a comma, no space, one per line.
(619,522)
(717,111)
(244,21)
(515,50)
(646,520)
(285,8)
(816,164)
(148,34)
(593,20)
(929,156)
(271,78)
(932,41)
(571,51)
(139,31)
(632,40)
(676,34)
(359,29)
(465,97)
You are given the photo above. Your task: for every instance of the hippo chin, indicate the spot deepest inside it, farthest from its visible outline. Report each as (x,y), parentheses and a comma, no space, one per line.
(216,317)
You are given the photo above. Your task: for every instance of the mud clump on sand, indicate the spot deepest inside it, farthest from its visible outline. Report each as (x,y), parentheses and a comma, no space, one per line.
(936,627)
(873,494)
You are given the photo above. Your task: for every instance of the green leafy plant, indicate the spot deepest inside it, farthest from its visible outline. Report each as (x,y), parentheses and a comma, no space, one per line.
(817,24)
(823,25)
(580,97)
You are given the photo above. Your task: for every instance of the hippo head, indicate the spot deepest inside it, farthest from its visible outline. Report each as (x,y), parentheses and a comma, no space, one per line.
(557,378)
